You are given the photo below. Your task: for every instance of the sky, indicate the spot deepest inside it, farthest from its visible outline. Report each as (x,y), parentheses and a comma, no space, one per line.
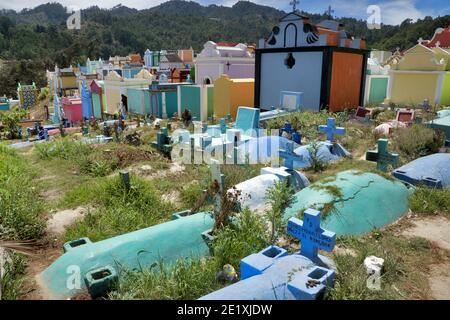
(392,11)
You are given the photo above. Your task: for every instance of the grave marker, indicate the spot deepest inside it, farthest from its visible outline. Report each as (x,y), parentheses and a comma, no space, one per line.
(289,155)
(382,156)
(311,235)
(330,129)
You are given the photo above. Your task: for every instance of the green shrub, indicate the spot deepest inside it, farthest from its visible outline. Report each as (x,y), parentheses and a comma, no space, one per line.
(10,121)
(417,141)
(247,235)
(190,194)
(279,197)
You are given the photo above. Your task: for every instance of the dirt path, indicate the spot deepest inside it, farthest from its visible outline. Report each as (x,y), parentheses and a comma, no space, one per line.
(437,231)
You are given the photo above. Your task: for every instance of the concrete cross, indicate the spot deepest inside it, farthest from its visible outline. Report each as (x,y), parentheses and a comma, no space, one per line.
(289,155)
(216,175)
(330,129)
(311,235)
(294,4)
(382,157)
(330,12)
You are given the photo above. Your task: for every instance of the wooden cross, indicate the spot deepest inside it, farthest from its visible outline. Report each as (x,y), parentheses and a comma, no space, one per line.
(311,235)
(294,4)
(382,157)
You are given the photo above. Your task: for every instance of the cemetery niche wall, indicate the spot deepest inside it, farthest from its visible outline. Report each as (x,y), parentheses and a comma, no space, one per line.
(320,61)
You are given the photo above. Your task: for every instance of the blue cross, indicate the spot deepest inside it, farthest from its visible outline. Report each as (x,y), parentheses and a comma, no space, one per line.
(311,235)
(330,129)
(290,156)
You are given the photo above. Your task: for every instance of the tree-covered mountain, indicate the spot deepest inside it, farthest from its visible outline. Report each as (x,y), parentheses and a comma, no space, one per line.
(41,34)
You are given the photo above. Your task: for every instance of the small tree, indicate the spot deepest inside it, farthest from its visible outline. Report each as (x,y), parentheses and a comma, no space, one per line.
(10,121)
(317,162)
(279,197)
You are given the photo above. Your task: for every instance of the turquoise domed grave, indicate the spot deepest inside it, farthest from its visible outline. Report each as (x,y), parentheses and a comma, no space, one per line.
(353,202)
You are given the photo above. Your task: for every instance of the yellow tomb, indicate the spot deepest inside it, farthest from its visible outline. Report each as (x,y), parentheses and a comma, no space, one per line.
(229,94)
(117,86)
(422,73)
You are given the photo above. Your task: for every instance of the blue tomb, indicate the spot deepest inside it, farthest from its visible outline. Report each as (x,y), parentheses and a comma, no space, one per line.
(273,274)
(432,171)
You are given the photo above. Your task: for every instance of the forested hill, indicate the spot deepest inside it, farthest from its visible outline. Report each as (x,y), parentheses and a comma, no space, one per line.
(41,35)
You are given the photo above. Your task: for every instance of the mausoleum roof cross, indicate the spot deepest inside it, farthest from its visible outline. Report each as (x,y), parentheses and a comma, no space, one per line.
(329,13)
(294,4)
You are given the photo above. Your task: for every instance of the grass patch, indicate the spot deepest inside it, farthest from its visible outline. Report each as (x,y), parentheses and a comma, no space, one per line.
(117,210)
(430,201)
(11,283)
(99,160)
(306,122)
(20,208)
(405,268)
(20,215)
(191,279)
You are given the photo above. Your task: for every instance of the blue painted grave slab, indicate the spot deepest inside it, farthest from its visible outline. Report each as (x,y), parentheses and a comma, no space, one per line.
(330,129)
(432,171)
(247,119)
(272,274)
(24,144)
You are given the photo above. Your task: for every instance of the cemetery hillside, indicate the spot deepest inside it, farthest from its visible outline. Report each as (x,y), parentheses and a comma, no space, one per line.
(223,153)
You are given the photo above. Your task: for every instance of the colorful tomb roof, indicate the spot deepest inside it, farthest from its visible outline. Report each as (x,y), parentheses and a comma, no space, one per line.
(296,30)
(214,50)
(441,38)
